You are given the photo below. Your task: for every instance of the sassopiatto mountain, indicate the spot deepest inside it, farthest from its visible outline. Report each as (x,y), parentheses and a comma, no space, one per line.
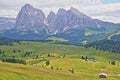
(72,25)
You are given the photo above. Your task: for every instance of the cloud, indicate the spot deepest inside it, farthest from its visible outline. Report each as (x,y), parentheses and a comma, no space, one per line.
(108,18)
(13,6)
(107,12)
(102,8)
(8,13)
(40,3)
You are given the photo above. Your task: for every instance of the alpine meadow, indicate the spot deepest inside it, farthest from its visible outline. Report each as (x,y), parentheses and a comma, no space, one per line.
(59,40)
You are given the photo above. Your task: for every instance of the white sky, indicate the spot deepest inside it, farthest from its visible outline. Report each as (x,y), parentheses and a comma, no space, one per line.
(93,8)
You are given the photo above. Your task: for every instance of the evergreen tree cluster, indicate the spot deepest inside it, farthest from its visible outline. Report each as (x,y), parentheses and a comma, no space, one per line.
(13,60)
(6,41)
(106,45)
(27,54)
(15,51)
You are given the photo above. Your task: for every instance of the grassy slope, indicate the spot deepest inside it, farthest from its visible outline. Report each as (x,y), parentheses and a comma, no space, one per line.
(83,70)
(43,49)
(21,72)
(54,39)
(116,33)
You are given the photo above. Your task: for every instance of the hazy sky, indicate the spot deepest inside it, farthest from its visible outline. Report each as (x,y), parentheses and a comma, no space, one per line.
(107,10)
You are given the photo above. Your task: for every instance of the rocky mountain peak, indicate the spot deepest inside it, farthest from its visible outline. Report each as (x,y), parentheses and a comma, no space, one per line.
(61,11)
(29,18)
(51,17)
(76,12)
(27,6)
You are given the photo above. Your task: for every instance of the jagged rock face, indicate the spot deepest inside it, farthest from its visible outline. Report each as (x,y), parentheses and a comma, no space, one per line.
(61,21)
(30,18)
(51,20)
(77,18)
(71,19)
(57,22)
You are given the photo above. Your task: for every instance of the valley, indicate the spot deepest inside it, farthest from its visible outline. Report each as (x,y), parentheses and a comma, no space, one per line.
(59,40)
(61,58)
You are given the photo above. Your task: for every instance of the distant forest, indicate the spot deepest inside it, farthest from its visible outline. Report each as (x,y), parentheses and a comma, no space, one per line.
(106,45)
(6,41)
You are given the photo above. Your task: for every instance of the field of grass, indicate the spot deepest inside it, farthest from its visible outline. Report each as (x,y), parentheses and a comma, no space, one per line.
(36,68)
(43,49)
(82,70)
(88,33)
(116,33)
(55,39)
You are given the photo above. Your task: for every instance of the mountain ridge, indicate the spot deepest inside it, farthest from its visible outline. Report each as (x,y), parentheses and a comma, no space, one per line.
(7,23)
(70,24)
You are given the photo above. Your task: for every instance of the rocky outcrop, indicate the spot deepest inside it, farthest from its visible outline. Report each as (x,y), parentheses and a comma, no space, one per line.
(30,18)
(70,19)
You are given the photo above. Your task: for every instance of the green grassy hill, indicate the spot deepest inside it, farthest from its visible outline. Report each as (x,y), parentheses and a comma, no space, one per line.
(113,34)
(82,70)
(42,50)
(55,39)
(36,68)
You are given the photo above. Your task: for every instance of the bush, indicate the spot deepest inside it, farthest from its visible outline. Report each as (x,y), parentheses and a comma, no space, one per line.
(52,67)
(113,62)
(47,62)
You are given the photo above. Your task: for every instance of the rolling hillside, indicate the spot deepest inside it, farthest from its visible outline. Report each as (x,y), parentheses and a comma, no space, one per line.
(61,58)
(114,36)
(42,49)
(82,70)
